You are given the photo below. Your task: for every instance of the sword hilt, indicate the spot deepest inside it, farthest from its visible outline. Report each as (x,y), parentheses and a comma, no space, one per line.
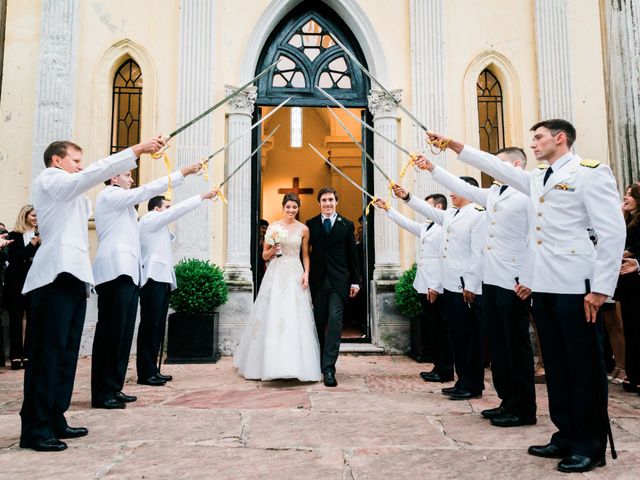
(438,145)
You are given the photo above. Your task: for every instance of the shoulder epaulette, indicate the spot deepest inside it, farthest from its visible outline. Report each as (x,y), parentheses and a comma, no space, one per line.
(590,163)
(479,208)
(543,166)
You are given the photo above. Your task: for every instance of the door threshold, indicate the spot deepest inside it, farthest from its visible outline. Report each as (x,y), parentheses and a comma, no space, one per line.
(364,348)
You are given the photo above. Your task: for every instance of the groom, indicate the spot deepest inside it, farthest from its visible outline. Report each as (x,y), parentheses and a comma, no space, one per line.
(334,275)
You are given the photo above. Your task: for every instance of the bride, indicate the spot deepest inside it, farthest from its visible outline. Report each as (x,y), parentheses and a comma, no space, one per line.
(280,338)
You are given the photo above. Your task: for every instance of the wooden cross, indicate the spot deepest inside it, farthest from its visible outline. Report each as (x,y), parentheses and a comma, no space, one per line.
(296,188)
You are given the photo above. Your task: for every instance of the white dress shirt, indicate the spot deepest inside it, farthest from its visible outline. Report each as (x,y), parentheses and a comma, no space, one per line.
(507,228)
(577,195)
(117,228)
(63,213)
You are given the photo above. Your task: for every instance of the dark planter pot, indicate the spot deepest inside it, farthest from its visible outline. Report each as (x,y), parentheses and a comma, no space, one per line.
(421,348)
(193,338)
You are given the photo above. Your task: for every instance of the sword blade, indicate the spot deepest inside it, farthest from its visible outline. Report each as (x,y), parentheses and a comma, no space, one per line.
(375,80)
(365,124)
(361,147)
(248,130)
(344,175)
(221,102)
(237,169)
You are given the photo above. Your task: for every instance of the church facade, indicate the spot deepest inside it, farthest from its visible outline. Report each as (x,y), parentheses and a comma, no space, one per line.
(107,73)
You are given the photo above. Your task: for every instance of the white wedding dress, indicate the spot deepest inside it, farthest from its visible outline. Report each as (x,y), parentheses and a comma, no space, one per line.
(280,338)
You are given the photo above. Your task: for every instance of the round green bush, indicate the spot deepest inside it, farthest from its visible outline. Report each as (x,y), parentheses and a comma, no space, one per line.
(201,287)
(407,298)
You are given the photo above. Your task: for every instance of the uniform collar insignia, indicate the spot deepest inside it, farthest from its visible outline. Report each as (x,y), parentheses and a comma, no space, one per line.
(543,166)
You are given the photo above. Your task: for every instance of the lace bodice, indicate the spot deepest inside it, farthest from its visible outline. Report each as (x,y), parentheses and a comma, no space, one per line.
(291,244)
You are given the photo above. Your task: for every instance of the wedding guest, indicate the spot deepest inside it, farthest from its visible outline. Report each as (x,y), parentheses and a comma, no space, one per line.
(20,252)
(262,264)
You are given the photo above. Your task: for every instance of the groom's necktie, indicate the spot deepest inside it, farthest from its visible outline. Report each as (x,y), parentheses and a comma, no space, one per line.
(326,223)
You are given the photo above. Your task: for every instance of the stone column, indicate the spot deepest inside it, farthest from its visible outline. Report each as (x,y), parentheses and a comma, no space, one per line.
(55,92)
(554,72)
(387,247)
(622,66)
(428,82)
(195,95)
(238,222)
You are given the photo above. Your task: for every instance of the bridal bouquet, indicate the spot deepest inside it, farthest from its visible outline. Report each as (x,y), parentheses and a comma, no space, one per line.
(275,235)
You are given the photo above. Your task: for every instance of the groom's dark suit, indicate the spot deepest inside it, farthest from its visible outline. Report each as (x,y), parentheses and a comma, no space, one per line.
(334,267)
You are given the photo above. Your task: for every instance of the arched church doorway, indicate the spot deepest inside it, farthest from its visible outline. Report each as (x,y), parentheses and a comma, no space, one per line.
(307,56)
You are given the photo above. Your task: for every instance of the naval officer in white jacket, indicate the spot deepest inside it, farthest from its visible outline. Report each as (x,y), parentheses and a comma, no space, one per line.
(570,279)
(463,237)
(505,316)
(117,275)
(58,281)
(428,284)
(158,277)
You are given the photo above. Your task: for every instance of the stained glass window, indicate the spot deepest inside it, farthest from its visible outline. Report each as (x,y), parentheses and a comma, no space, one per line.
(490,112)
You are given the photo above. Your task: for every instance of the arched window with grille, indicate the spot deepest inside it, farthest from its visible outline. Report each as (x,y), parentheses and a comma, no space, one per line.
(490,115)
(126,108)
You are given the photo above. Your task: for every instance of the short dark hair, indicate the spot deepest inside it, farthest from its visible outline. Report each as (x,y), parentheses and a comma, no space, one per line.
(515,153)
(263,223)
(58,148)
(155,202)
(557,125)
(291,197)
(324,190)
(470,180)
(438,199)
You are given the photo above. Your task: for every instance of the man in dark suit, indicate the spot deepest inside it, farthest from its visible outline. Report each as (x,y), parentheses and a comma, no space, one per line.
(334,276)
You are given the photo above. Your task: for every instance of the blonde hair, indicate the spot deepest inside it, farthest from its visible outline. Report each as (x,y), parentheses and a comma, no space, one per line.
(21,222)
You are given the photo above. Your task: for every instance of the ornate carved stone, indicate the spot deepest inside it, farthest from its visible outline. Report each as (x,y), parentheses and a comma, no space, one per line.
(244,101)
(382,105)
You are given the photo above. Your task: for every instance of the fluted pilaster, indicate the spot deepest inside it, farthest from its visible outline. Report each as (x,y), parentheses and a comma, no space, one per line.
(55,92)
(238,263)
(387,247)
(428,82)
(554,72)
(195,87)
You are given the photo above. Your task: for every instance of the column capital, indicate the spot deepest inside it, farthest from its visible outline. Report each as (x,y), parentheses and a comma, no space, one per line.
(381,104)
(244,101)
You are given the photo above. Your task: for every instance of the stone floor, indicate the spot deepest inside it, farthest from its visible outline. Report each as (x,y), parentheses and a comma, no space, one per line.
(381,422)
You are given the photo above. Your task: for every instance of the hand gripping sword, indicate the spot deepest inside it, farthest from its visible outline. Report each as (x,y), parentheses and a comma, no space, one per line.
(412,155)
(243,163)
(346,177)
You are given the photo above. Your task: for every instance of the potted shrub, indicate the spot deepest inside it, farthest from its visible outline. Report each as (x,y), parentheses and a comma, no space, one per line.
(193,328)
(408,302)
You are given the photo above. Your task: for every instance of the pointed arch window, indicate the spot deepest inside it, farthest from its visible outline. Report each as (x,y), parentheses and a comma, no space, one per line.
(307,55)
(490,112)
(126,108)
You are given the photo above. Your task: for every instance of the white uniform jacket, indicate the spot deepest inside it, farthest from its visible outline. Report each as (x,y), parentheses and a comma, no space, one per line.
(117,228)
(578,194)
(507,228)
(429,271)
(63,213)
(156,239)
(463,237)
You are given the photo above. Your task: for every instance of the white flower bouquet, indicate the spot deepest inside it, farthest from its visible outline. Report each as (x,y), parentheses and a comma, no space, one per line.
(275,235)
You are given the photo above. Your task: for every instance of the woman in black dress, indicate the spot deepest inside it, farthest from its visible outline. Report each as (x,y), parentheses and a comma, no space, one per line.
(21,251)
(628,290)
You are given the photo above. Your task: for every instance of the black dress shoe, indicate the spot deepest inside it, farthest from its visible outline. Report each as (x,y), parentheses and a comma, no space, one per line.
(463,395)
(166,378)
(49,445)
(449,390)
(123,397)
(72,432)
(430,372)
(510,420)
(548,451)
(436,377)
(492,412)
(109,404)
(330,379)
(153,381)
(580,463)
(16,364)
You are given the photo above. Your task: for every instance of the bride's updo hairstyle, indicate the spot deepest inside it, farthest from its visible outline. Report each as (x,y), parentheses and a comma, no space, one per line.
(291,197)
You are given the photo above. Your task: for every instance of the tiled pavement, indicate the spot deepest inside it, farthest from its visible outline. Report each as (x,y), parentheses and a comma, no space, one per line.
(381,422)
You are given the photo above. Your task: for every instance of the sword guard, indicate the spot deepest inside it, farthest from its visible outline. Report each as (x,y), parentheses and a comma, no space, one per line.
(160,152)
(438,146)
